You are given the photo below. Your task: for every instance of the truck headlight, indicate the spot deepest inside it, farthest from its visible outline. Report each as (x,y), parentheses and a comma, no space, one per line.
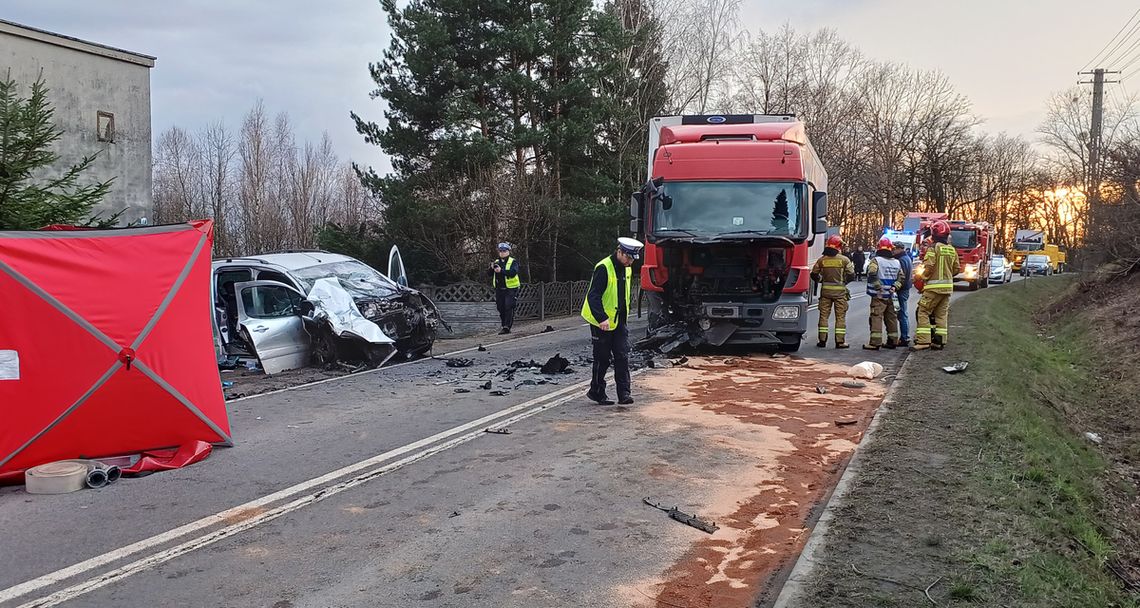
(971,270)
(786,313)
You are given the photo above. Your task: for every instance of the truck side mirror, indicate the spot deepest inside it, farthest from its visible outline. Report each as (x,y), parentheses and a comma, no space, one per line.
(636,212)
(819,212)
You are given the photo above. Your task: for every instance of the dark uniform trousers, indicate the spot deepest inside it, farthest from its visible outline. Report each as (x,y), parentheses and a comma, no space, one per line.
(505,300)
(610,346)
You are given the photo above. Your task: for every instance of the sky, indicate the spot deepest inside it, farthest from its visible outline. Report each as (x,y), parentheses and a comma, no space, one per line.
(216,58)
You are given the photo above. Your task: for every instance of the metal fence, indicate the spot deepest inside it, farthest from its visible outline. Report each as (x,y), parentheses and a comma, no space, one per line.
(536,300)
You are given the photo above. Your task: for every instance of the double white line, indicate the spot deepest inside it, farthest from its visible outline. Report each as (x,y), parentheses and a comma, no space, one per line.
(251,514)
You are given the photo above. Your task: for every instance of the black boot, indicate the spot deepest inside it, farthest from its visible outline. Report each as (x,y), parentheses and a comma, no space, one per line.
(625,399)
(821,344)
(599,398)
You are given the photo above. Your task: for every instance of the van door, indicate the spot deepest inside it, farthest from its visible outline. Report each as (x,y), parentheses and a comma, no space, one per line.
(396,270)
(270,316)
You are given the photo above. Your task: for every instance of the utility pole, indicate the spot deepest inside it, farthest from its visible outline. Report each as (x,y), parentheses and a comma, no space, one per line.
(1096,149)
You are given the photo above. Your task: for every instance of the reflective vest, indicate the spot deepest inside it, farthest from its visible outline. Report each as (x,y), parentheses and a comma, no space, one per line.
(881,277)
(610,296)
(939,267)
(511,282)
(834,270)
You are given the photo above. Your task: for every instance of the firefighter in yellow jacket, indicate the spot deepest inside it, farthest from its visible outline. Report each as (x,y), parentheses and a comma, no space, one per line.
(939,266)
(833,271)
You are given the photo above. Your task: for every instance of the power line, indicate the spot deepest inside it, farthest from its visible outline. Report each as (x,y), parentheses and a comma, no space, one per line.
(1124,56)
(1093,60)
(1127,38)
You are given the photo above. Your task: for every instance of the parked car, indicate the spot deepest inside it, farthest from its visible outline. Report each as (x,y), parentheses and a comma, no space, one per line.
(1001,269)
(1036,264)
(296,307)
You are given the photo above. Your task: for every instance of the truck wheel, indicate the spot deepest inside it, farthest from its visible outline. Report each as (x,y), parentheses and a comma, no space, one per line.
(974,285)
(791,347)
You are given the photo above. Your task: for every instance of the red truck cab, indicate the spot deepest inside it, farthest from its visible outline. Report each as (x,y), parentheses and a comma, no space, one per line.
(733,218)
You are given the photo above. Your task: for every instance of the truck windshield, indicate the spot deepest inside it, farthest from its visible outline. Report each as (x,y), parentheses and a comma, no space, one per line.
(715,208)
(1037,259)
(963,239)
(1028,246)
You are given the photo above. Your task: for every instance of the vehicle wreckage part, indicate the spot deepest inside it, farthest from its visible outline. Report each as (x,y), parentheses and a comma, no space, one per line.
(497,431)
(685,518)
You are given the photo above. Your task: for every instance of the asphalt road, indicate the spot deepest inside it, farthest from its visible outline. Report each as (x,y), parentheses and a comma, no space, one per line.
(383,489)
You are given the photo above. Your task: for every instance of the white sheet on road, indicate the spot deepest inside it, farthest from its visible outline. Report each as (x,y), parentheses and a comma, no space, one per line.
(332,299)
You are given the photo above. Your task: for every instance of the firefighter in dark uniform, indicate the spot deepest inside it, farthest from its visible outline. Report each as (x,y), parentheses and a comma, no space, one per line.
(833,271)
(505,278)
(606,309)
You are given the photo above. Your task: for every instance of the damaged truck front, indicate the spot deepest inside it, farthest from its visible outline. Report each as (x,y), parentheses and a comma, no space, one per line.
(733,217)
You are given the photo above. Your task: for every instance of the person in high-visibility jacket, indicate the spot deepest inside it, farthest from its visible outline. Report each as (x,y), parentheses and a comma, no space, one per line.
(606,309)
(504,273)
(882,283)
(833,271)
(939,266)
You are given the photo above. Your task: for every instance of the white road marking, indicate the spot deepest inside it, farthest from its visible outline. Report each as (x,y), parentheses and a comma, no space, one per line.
(147,563)
(243,510)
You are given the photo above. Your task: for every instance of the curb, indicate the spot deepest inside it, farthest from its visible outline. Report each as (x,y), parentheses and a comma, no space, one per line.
(794,587)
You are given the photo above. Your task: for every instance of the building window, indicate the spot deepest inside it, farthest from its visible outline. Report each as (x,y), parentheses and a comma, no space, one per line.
(105,127)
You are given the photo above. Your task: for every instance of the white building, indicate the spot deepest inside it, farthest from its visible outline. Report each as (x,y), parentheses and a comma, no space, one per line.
(101,97)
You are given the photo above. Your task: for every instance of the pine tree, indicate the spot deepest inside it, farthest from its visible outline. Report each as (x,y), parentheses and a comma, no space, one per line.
(28,200)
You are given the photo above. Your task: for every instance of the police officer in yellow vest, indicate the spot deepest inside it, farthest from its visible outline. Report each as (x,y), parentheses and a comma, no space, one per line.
(833,271)
(606,309)
(505,278)
(938,269)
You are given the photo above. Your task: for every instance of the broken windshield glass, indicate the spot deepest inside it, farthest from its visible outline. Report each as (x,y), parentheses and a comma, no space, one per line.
(359,279)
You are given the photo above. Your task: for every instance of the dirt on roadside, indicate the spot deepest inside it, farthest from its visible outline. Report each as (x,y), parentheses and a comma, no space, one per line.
(980,488)
(794,424)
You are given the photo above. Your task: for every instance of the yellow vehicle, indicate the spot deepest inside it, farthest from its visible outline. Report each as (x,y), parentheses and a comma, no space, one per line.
(1032,242)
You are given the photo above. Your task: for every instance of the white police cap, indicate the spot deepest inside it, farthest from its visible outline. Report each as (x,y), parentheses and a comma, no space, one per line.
(631,247)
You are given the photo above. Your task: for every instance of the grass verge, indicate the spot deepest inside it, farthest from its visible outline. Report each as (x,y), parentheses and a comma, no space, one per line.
(980,488)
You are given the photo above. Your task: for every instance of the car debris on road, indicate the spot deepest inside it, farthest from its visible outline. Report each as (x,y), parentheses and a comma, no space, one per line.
(685,518)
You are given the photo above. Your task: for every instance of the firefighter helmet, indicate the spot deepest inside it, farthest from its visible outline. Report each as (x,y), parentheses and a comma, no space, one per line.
(940,228)
(885,243)
(835,241)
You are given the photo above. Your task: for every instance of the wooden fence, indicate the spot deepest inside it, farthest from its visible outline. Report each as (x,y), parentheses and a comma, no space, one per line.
(470,307)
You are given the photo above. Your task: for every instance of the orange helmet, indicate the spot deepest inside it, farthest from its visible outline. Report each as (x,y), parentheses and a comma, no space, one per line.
(835,241)
(885,243)
(940,228)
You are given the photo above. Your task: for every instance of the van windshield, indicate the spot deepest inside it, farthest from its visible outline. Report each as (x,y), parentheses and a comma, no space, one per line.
(359,279)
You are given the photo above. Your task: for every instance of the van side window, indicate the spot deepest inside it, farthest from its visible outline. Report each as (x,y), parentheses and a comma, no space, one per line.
(273,275)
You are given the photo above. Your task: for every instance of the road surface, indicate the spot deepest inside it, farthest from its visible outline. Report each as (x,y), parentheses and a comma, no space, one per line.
(383,489)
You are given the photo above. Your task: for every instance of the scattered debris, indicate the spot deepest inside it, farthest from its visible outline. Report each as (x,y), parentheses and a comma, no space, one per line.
(659,363)
(463,390)
(481,349)
(685,518)
(866,369)
(846,421)
(555,365)
(956,368)
(1093,437)
(460,362)
(497,431)
(821,389)
(549,328)
(486,385)
(454,514)
(853,384)
(499,393)
(779,356)
(227,383)
(229,363)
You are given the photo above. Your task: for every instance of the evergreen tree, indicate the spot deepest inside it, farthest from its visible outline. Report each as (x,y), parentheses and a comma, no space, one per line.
(28,199)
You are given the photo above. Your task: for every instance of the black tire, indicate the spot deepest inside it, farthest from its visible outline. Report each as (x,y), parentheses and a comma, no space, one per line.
(792,347)
(974,285)
(326,348)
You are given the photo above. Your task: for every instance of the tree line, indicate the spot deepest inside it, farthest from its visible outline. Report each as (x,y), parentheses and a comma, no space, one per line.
(526,122)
